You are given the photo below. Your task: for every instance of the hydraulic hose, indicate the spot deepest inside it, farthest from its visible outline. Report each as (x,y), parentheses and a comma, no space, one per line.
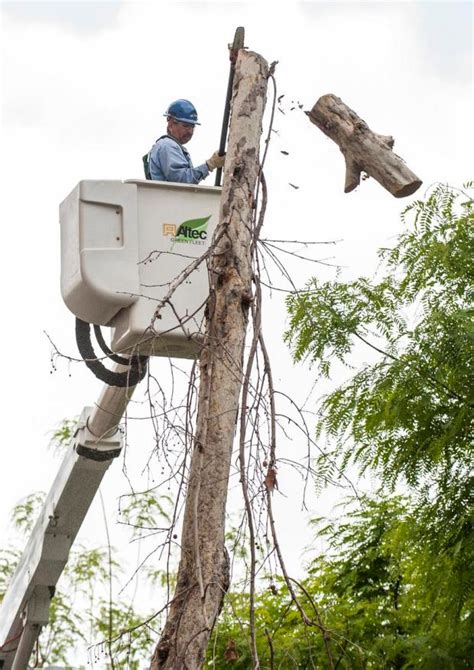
(131,377)
(108,352)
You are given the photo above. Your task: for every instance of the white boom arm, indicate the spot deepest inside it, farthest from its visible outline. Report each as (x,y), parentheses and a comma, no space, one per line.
(25,608)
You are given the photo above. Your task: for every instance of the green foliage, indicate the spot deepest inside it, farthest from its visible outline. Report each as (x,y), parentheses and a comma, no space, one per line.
(392,590)
(130,640)
(63,434)
(382,595)
(66,629)
(8,560)
(410,413)
(26,511)
(144,510)
(87,568)
(401,576)
(81,613)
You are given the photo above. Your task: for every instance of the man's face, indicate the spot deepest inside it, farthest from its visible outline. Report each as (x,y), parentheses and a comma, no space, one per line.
(179,130)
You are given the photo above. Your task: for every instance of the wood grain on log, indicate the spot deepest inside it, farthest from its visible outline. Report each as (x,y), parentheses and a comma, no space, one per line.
(364,150)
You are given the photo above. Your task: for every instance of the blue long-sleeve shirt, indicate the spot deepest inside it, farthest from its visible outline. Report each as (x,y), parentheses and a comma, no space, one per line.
(170,161)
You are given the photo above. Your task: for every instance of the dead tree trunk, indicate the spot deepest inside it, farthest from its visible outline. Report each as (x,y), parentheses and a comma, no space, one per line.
(363,149)
(203,575)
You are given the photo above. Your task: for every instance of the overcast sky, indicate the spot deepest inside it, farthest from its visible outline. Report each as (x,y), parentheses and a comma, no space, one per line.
(84,88)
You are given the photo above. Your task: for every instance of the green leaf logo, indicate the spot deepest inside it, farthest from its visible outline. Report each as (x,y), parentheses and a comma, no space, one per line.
(194,229)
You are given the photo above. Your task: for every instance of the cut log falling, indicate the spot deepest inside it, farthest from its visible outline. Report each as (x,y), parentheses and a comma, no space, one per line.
(364,150)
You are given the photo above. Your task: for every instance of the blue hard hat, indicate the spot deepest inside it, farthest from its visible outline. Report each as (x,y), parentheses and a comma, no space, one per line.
(183,110)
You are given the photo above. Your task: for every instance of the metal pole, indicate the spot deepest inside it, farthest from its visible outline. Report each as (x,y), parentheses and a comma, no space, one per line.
(25,647)
(110,408)
(237,44)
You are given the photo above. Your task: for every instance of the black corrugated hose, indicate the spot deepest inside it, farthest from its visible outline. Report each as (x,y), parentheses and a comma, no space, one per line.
(137,364)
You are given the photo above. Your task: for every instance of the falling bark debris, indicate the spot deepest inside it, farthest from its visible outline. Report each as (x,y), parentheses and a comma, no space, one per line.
(203,574)
(363,149)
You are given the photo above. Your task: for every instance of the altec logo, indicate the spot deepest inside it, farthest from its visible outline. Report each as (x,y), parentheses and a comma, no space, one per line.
(193,231)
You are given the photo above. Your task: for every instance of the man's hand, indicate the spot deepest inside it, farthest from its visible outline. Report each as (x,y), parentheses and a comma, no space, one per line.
(215,161)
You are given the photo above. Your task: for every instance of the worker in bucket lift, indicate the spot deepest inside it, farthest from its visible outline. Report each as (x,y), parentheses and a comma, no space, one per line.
(168,159)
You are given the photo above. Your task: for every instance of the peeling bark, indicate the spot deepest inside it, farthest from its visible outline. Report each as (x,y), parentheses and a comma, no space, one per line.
(363,149)
(203,575)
